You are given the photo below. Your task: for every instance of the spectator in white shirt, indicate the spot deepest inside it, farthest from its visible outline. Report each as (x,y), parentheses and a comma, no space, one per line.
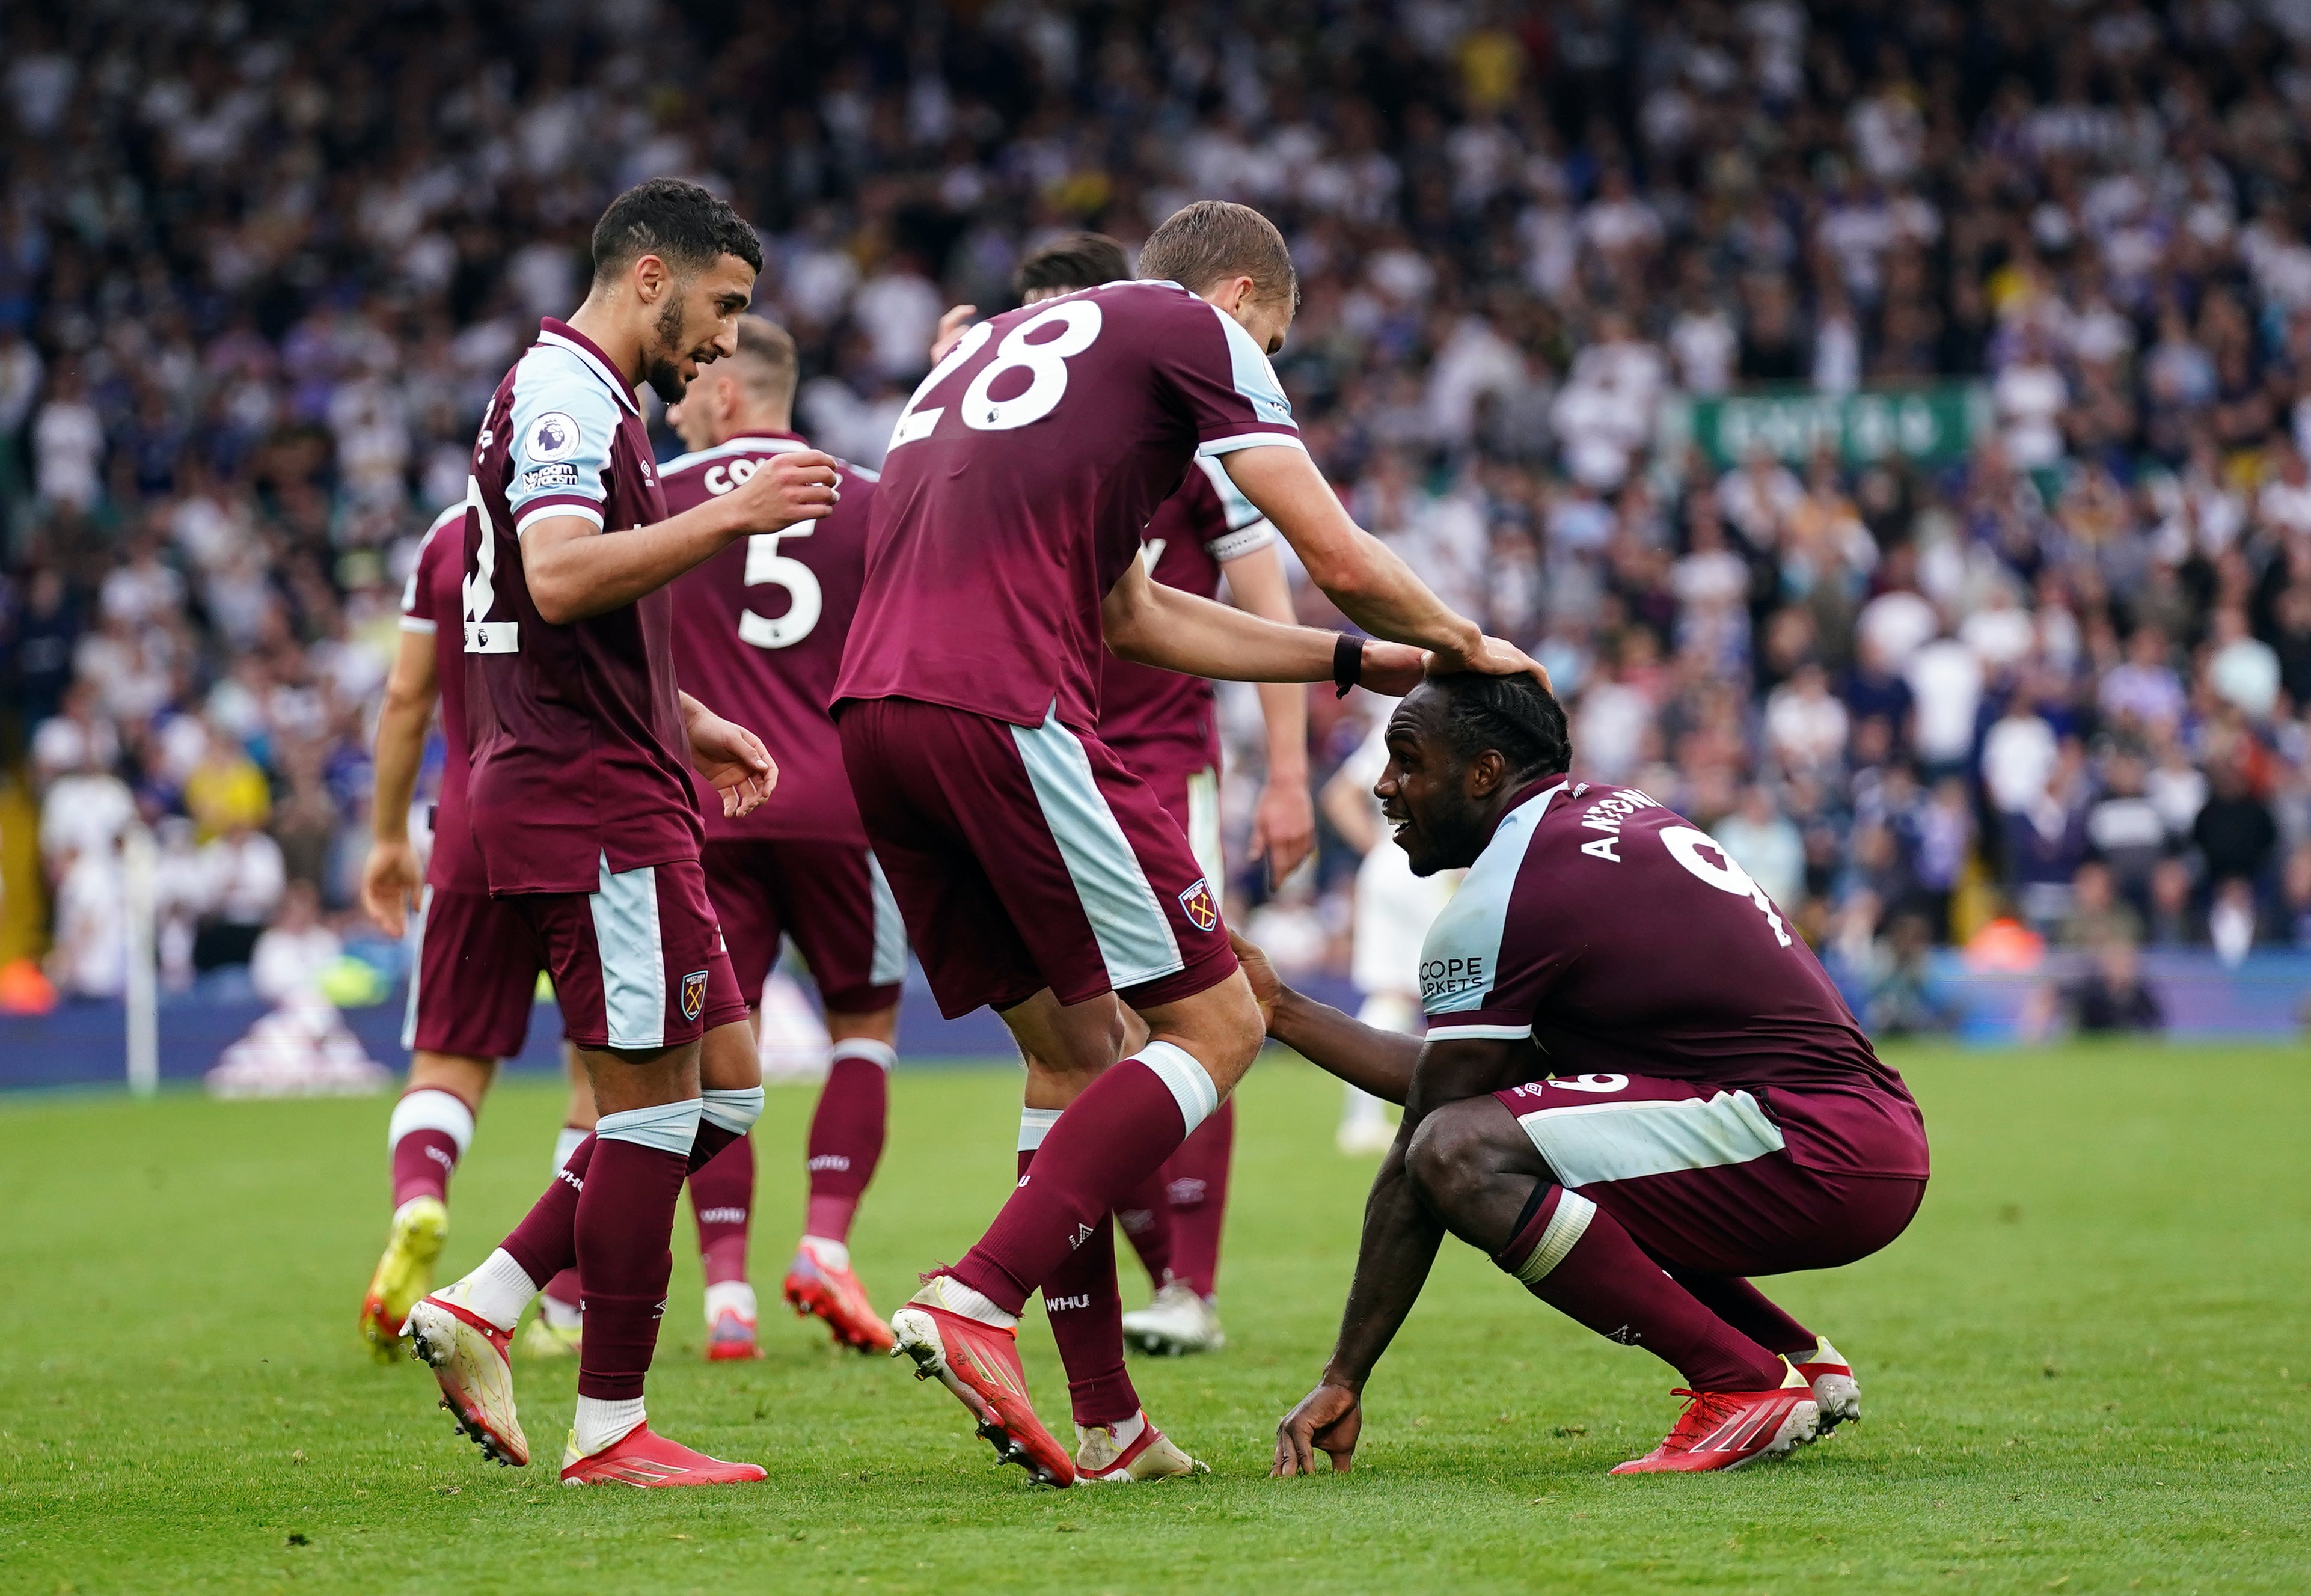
(1805,723)
(295,948)
(2241,667)
(67,446)
(2031,396)
(1946,680)
(2019,755)
(1898,623)
(2000,633)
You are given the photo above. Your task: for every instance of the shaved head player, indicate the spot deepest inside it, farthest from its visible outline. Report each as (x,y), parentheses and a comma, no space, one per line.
(761,628)
(581,808)
(1638,1088)
(1038,875)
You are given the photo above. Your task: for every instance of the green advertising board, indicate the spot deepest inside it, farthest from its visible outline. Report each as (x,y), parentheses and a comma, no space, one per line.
(1931,425)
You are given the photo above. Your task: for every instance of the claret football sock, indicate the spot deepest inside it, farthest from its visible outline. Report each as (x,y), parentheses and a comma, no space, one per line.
(1576,1257)
(1145,1218)
(1084,1305)
(846,1134)
(626,1220)
(1195,1189)
(723,1199)
(1740,1304)
(1113,1137)
(546,1242)
(429,1132)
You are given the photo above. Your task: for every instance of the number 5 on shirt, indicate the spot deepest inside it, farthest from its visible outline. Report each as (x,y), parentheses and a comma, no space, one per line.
(766,566)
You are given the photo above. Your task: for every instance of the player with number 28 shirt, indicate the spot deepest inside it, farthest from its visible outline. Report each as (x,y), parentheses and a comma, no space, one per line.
(1038,873)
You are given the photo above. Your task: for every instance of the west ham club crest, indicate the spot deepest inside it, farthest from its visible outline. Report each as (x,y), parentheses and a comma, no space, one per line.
(1197,904)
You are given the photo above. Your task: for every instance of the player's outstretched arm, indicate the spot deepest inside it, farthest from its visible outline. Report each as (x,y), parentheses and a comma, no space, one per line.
(1393,1257)
(1395,1253)
(1154,624)
(390,877)
(574,571)
(1283,818)
(1361,574)
(1380,1062)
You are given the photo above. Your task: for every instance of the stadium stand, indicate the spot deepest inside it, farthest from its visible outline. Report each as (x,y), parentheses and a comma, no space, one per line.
(1888,423)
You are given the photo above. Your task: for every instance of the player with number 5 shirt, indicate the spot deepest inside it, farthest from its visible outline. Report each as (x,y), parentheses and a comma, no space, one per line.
(759,632)
(1037,874)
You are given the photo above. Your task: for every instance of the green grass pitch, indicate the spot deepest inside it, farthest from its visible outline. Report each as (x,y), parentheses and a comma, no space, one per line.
(2085,1369)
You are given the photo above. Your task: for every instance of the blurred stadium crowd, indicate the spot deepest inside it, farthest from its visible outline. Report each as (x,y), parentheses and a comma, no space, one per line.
(261,265)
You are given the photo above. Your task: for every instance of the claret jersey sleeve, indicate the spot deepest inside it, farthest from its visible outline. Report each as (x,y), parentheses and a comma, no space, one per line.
(1233,400)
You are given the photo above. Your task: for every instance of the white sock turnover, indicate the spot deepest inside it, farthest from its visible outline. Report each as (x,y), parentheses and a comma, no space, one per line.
(498,1290)
(602,1423)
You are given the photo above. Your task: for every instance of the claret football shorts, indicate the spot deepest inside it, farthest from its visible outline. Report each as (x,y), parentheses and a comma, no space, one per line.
(1027,856)
(830,897)
(638,964)
(475,979)
(1701,1177)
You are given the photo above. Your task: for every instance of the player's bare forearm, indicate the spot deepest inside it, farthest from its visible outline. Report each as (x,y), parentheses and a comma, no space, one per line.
(574,571)
(1381,1062)
(1393,1257)
(1152,623)
(1257,584)
(1284,819)
(401,722)
(1361,574)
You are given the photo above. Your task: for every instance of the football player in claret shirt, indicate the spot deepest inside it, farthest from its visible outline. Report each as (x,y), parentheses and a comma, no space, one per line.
(1638,1088)
(1036,873)
(477,965)
(1162,725)
(759,632)
(581,808)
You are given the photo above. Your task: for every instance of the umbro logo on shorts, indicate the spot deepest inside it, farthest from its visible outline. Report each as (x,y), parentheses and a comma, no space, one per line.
(693,994)
(1197,904)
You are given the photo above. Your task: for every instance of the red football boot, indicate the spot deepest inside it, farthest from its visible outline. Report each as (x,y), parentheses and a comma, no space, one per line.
(817,1286)
(647,1460)
(1726,1429)
(979,1363)
(1835,1392)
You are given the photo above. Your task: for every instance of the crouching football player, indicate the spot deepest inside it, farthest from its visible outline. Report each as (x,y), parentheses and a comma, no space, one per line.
(1638,1088)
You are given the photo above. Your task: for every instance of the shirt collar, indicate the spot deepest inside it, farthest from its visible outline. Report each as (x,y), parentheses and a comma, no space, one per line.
(562,335)
(1542,791)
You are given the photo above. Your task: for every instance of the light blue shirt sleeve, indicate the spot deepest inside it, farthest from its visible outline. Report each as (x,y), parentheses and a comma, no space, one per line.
(563,422)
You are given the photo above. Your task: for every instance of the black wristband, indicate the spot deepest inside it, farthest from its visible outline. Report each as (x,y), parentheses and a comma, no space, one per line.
(1348,663)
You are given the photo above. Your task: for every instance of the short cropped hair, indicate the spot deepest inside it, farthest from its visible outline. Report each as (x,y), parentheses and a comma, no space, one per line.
(681,223)
(1515,716)
(1201,244)
(765,362)
(1079,260)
